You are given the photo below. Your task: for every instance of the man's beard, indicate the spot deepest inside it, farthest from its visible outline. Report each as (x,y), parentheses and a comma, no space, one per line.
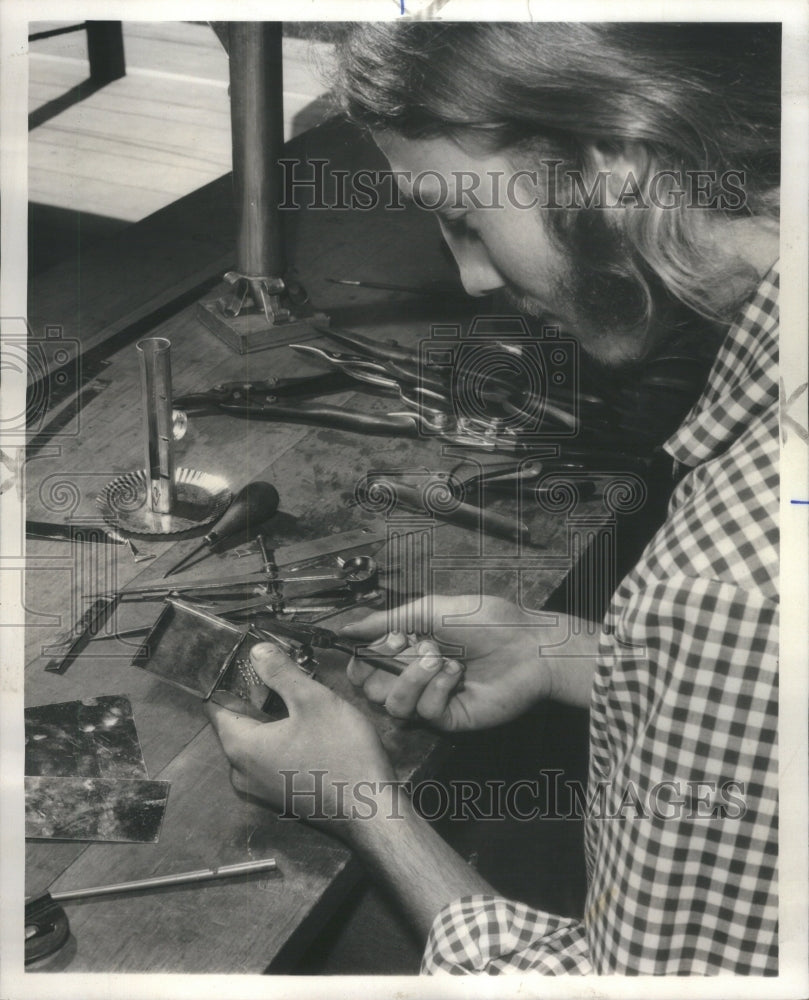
(603,297)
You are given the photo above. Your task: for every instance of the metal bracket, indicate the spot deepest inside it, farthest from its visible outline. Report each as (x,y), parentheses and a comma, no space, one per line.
(260,311)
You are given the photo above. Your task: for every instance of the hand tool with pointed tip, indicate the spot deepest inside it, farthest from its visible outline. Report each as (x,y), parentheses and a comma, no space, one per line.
(253,505)
(442,290)
(313,637)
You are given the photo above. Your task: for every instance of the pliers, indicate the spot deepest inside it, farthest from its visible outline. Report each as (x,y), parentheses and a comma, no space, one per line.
(272,399)
(403,368)
(311,637)
(623,413)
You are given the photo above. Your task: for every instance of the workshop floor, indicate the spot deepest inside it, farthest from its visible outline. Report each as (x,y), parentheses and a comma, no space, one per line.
(145,140)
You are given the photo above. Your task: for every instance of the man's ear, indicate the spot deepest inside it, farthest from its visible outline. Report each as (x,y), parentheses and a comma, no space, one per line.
(625,166)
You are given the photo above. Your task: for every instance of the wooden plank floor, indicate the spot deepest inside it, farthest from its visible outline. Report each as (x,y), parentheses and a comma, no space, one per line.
(159,133)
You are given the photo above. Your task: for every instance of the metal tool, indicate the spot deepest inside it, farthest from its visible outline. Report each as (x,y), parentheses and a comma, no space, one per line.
(407,368)
(279,604)
(137,556)
(358,573)
(69,644)
(390,374)
(155,368)
(46,923)
(311,637)
(457,512)
(426,396)
(251,401)
(443,291)
(357,576)
(52,531)
(633,411)
(253,505)
(323,384)
(529,474)
(292,557)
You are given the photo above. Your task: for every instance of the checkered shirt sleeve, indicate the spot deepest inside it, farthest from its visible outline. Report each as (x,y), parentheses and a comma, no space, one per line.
(681,828)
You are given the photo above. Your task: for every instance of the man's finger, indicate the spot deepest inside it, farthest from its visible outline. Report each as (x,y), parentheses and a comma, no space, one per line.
(379,623)
(372,627)
(234,731)
(432,705)
(238,781)
(406,691)
(281,674)
(378,686)
(359,671)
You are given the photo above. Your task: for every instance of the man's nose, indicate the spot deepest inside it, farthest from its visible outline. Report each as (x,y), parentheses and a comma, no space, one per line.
(478,275)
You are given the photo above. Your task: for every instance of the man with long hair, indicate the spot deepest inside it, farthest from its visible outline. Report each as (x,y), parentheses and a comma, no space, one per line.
(614,180)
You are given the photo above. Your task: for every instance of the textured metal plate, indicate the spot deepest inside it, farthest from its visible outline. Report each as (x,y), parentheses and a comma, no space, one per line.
(103,809)
(200,499)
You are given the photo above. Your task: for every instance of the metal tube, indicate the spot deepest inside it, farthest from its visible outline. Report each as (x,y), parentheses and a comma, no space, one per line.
(245,868)
(257,124)
(155,370)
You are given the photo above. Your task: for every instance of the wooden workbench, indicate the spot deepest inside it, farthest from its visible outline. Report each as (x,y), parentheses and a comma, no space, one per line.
(246,924)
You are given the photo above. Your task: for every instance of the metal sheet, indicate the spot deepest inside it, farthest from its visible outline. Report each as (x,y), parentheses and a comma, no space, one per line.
(188,648)
(96,809)
(91,738)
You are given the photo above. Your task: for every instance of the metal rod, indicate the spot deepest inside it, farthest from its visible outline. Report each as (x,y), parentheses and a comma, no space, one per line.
(53,32)
(159,588)
(442,291)
(203,875)
(257,126)
(155,369)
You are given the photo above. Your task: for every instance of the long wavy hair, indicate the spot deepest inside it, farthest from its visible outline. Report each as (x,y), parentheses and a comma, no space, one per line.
(690,97)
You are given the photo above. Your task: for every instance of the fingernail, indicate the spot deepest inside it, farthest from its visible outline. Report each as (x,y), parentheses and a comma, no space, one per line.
(427,646)
(453,667)
(392,638)
(264,651)
(430,663)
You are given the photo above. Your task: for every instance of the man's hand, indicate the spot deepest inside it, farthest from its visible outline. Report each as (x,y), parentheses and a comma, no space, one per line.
(322,733)
(504,672)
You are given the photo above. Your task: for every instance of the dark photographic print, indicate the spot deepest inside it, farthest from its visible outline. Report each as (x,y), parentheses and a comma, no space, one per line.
(404,500)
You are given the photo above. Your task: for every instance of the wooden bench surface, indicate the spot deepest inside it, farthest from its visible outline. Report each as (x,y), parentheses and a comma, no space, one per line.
(245,924)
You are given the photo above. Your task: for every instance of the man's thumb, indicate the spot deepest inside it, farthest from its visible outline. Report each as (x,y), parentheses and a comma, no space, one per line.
(279,672)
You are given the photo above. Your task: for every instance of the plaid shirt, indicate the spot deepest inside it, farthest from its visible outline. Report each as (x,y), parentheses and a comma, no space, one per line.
(684,707)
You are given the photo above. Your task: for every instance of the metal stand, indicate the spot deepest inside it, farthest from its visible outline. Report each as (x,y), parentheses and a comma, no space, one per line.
(265,307)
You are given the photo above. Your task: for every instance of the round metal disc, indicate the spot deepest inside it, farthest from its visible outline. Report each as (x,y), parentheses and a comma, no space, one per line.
(200,499)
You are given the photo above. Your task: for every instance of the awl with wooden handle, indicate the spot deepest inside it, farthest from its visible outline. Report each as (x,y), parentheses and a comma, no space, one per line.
(251,507)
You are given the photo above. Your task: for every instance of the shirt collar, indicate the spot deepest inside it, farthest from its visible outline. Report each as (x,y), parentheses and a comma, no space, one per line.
(743,381)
